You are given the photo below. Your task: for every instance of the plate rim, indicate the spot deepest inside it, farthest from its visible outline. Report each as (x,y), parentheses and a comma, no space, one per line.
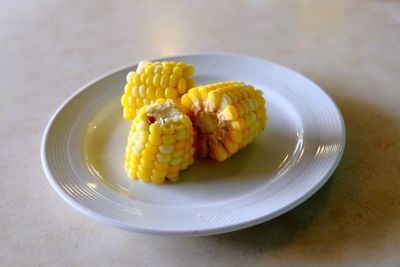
(212,229)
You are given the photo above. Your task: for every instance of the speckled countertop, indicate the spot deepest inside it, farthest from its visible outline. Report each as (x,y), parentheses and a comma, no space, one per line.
(350,48)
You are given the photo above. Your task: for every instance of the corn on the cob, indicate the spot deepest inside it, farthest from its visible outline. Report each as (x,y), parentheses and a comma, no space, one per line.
(153,80)
(160,143)
(226,117)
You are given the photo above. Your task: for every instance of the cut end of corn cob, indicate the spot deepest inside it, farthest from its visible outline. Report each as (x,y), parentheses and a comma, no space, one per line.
(153,80)
(160,143)
(226,117)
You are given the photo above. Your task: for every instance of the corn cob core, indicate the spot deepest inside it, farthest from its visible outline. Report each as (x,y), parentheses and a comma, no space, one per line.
(153,80)
(226,117)
(160,143)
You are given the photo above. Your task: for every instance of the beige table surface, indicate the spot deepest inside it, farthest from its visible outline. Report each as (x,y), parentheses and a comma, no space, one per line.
(351,48)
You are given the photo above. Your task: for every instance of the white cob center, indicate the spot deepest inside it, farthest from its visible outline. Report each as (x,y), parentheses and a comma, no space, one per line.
(165,112)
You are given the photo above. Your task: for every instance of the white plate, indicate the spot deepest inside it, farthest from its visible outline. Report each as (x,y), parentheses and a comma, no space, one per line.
(83,155)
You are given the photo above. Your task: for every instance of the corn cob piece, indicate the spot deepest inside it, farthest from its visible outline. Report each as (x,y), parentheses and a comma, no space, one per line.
(226,117)
(160,143)
(153,80)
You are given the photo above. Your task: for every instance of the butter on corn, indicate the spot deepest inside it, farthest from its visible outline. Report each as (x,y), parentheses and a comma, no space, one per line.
(153,80)
(160,143)
(226,117)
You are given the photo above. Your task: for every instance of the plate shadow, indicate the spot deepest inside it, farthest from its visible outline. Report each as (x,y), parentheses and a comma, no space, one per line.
(357,207)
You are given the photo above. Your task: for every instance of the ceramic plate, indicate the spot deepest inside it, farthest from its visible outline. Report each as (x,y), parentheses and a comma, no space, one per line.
(83,155)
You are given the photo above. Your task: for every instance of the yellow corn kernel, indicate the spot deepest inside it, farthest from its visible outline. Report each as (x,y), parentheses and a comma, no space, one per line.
(143,78)
(239,109)
(135,151)
(187,147)
(177,153)
(171,93)
(159,173)
(164,158)
(156,80)
(142,90)
(167,139)
(149,80)
(176,161)
(173,80)
(139,144)
(247,120)
(155,139)
(179,126)
(244,106)
(143,136)
(132,173)
(139,101)
(219,151)
(181,86)
(179,144)
(147,155)
(135,91)
(158,177)
(155,129)
(135,160)
(186,102)
(188,71)
(172,175)
(128,88)
(250,104)
(146,171)
(130,77)
(166,149)
(158,69)
(230,113)
(124,100)
(177,71)
(128,163)
(164,81)
(190,83)
(160,165)
(150,68)
(195,97)
(167,69)
(136,79)
(173,168)
(145,164)
(214,99)
(230,146)
(187,123)
(127,115)
(168,129)
(143,176)
(238,125)
(159,92)
(236,136)
(204,95)
(142,126)
(151,92)
(233,96)
(181,135)
(151,148)
(160,101)
(225,101)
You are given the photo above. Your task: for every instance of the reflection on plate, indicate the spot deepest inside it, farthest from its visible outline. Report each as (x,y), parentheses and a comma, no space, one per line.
(83,156)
